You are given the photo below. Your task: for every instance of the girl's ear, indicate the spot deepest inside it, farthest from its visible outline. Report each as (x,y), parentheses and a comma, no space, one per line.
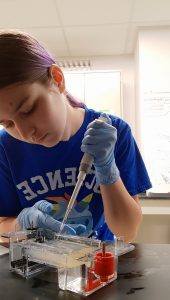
(57,77)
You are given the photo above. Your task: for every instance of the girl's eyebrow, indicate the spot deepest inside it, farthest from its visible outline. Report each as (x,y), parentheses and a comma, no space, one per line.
(21,103)
(18,106)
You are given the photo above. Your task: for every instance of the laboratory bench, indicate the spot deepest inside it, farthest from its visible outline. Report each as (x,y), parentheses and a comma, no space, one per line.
(143,274)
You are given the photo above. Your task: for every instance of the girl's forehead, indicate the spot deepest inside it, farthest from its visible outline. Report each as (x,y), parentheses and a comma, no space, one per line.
(9,96)
(17,88)
(13,96)
(15,92)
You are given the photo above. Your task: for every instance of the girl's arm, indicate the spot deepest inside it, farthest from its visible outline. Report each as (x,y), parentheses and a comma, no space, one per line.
(120,173)
(122,212)
(8,224)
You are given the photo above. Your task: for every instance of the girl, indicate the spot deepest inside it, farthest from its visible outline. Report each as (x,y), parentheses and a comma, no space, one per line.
(46,131)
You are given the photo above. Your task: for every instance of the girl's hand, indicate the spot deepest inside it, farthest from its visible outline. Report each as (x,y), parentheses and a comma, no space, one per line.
(38,216)
(99,141)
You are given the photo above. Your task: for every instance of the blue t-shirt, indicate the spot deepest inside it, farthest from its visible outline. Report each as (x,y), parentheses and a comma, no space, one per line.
(29,173)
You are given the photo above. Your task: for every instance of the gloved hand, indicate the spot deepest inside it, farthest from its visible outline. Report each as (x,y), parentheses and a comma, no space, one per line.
(38,216)
(99,141)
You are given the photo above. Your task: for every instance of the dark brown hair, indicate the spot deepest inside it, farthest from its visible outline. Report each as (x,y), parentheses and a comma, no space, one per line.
(23,59)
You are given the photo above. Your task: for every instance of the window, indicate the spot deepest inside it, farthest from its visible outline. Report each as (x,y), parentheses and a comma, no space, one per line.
(98,90)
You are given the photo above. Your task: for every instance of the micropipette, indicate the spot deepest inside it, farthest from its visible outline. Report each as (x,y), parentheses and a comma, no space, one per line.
(85,166)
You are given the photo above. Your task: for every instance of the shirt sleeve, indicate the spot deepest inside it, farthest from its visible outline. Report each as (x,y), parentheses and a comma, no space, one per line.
(9,201)
(129,161)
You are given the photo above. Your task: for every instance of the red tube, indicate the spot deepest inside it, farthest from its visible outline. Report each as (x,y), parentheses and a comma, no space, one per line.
(104,265)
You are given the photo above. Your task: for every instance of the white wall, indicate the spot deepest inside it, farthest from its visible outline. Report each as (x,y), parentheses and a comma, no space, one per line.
(154,52)
(152,73)
(152,68)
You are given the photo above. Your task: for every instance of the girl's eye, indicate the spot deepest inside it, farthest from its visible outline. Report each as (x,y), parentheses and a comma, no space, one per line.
(28,111)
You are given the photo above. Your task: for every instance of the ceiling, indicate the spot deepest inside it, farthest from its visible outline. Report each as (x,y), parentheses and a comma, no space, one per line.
(79,28)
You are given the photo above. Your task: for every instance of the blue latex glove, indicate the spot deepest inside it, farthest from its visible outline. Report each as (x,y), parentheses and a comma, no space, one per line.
(38,216)
(99,141)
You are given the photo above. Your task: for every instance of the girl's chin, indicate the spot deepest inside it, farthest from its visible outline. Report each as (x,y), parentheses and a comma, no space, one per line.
(48,144)
(48,141)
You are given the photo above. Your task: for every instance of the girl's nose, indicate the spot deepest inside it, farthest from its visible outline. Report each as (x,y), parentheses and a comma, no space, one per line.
(25,130)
